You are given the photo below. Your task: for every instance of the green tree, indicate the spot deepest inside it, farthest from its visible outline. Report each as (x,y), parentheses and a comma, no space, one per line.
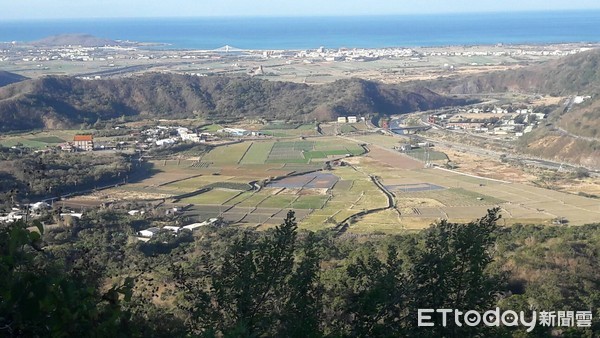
(257,289)
(38,299)
(449,272)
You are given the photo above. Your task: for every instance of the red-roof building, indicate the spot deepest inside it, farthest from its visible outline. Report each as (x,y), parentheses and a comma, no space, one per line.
(83,142)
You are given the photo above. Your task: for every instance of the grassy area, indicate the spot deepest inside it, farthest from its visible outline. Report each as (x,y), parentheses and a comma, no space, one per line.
(347,128)
(196,183)
(421,154)
(289,151)
(257,153)
(214,196)
(251,200)
(277,201)
(310,202)
(211,128)
(24,142)
(456,197)
(277,133)
(48,139)
(305,151)
(385,221)
(229,154)
(280,126)
(306,127)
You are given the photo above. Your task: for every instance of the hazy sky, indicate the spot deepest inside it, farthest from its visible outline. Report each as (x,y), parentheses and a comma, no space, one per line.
(41,9)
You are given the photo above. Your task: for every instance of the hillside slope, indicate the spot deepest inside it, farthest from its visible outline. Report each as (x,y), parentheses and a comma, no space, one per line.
(574,133)
(60,102)
(566,76)
(7,78)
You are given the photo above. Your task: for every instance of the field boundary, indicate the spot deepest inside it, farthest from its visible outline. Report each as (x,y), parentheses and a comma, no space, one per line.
(471,175)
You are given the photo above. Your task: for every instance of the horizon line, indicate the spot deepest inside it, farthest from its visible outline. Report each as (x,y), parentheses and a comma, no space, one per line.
(307,16)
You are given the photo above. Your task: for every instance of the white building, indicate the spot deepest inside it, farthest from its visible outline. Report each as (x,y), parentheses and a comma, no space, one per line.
(195,226)
(352,119)
(165,141)
(341,119)
(233,131)
(150,232)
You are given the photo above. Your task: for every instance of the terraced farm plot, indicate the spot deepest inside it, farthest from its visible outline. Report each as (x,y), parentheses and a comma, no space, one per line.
(306,127)
(383,221)
(226,155)
(347,128)
(48,139)
(23,141)
(305,151)
(196,183)
(315,180)
(302,167)
(212,197)
(289,151)
(423,154)
(252,199)
(309,202)
(415,187)
(343,185)
(258,153)
(212,128)
(278,201)
(39,140)
(454,197)
(393,158)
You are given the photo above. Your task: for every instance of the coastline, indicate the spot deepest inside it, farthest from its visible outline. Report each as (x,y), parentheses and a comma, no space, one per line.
(297,33)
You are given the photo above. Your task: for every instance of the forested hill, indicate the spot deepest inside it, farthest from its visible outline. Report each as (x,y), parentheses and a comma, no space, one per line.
(7,78)
(60,102)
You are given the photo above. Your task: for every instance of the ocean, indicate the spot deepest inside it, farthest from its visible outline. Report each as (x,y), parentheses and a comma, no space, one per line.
(330,32)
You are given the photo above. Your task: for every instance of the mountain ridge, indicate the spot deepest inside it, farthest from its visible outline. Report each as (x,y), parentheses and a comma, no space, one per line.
(62,102)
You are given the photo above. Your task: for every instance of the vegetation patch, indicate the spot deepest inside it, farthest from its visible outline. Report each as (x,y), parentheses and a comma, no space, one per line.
(214,196)
(258,153)
(457,197)
(48,139)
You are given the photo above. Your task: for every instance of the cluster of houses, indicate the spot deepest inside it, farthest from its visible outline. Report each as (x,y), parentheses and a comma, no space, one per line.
(147,234)
(31,211)
(162,136)
(493,121)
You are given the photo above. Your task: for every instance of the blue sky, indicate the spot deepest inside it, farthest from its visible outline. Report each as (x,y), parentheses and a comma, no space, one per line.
(44,9)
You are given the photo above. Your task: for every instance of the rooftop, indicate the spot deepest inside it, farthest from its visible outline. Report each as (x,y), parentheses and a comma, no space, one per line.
(83,138)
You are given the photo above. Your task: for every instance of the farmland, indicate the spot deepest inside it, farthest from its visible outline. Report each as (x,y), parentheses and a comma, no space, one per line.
(38,140)
(326,198)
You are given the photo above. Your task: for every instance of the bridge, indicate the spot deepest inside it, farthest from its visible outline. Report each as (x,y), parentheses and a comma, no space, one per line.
(228,49)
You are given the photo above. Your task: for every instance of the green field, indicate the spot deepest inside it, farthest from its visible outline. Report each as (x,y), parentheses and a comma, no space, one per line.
(258,153)
(229,154)
(48,139)
(421,154)
(196,183)
(211,128)
(39,140)
(310,202)
(455,197)
(24,142)
(214,196)
(306,127)
(305,151)
(278,201)
(347,128)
